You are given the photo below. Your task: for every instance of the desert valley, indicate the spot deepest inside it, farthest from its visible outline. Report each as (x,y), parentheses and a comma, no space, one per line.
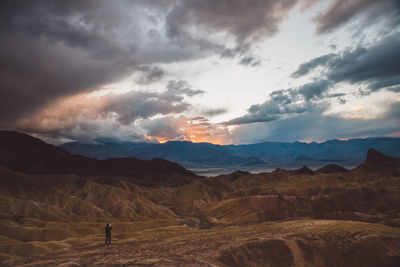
(54,207)
(200,133)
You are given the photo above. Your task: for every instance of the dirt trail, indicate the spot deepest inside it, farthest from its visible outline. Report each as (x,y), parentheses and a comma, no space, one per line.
(298,258)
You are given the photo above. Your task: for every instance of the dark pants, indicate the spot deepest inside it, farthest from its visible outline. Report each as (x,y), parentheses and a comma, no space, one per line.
(108,237)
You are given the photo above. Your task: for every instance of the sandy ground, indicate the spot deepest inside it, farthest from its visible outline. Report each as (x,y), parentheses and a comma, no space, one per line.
(268,244)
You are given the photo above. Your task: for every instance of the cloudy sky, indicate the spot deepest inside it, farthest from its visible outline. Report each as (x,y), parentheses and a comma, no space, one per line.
(219,71)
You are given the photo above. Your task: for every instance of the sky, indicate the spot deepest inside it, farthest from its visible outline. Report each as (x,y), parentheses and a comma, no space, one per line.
(218,71)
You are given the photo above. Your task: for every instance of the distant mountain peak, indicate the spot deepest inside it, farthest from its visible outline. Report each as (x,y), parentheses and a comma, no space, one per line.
(304,170)
(18,136)
(377,162)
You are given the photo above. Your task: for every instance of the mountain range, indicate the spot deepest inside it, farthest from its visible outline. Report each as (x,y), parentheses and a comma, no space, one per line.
(261,156)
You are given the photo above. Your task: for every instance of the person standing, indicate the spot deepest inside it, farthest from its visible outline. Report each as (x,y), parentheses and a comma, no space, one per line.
(108,233)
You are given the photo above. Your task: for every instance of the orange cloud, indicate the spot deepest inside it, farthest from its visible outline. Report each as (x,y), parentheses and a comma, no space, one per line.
(88,115)
(394,134)
(196,130)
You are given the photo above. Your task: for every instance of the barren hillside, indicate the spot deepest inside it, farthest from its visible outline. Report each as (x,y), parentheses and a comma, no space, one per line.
(327,217)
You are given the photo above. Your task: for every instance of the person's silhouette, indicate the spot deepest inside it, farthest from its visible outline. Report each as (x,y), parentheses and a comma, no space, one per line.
(108,233)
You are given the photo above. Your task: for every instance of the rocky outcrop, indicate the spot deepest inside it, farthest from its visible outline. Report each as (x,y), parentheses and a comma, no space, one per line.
(303,171)
(377,163)
(331,168)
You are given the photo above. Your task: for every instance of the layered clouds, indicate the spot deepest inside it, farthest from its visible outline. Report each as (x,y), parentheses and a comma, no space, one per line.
(244,21)
(61,60)
(316,126)
(376,65)
(357,74)
(368,12)
(134,115)
(283,103)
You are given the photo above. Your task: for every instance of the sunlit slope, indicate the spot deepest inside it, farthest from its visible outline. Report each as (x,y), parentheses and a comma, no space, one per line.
(47,208)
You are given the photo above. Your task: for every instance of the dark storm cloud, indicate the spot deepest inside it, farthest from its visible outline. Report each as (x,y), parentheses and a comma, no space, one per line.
(377,65)
(52,49)
(246,21)
(286,102)
(340,12)
(34,74)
